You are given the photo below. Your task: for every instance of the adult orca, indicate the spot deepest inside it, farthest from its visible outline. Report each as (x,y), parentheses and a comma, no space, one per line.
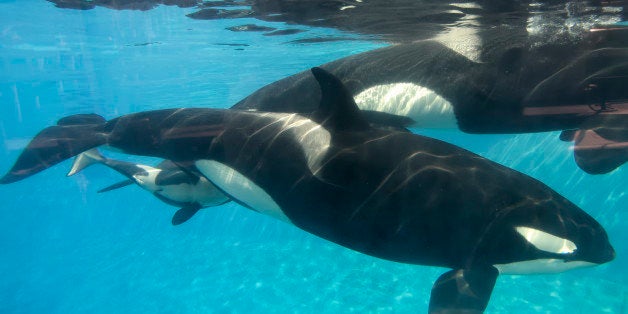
(389,194)
(516,89)
(168,182)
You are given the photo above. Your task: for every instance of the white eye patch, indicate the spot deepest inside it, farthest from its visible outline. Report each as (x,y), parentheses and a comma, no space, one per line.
(545,241)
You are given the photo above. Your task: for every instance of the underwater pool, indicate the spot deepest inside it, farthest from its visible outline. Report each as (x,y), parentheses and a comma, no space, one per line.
(67,249)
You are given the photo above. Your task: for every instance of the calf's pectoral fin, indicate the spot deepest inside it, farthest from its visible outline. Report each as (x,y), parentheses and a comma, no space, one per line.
(463,290)
(115,186)
(174,177)
(184,214)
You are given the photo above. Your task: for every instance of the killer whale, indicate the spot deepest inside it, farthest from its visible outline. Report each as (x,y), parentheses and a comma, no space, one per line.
(168,182)
(516,89)
(386,193)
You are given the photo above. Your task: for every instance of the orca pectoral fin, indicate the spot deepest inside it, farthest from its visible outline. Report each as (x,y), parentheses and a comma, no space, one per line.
(463,290)
(184,214)
(118,185)
(598,153)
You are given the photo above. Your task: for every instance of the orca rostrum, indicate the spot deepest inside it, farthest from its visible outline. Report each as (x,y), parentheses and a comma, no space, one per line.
(386,193)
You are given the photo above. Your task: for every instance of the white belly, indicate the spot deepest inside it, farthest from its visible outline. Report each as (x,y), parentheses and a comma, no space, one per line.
(241,188)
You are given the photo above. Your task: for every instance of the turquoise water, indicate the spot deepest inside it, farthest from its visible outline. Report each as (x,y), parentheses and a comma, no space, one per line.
(66,249)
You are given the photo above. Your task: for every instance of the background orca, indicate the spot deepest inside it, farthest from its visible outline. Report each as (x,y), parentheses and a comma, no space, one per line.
(519,89)
(385,193)
(167,181)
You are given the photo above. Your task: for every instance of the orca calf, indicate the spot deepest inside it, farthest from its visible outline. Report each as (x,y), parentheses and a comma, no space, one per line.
(167,181)
(516,89)
(389,194)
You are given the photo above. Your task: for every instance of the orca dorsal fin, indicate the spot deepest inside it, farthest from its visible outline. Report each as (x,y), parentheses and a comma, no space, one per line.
(337,110)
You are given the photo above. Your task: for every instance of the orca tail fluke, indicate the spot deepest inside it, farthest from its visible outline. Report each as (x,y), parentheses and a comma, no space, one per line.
(71,136)
(600,150)
(86,159)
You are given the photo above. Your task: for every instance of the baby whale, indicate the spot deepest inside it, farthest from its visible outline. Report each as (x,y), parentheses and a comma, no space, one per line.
(167,181)
(386,193)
